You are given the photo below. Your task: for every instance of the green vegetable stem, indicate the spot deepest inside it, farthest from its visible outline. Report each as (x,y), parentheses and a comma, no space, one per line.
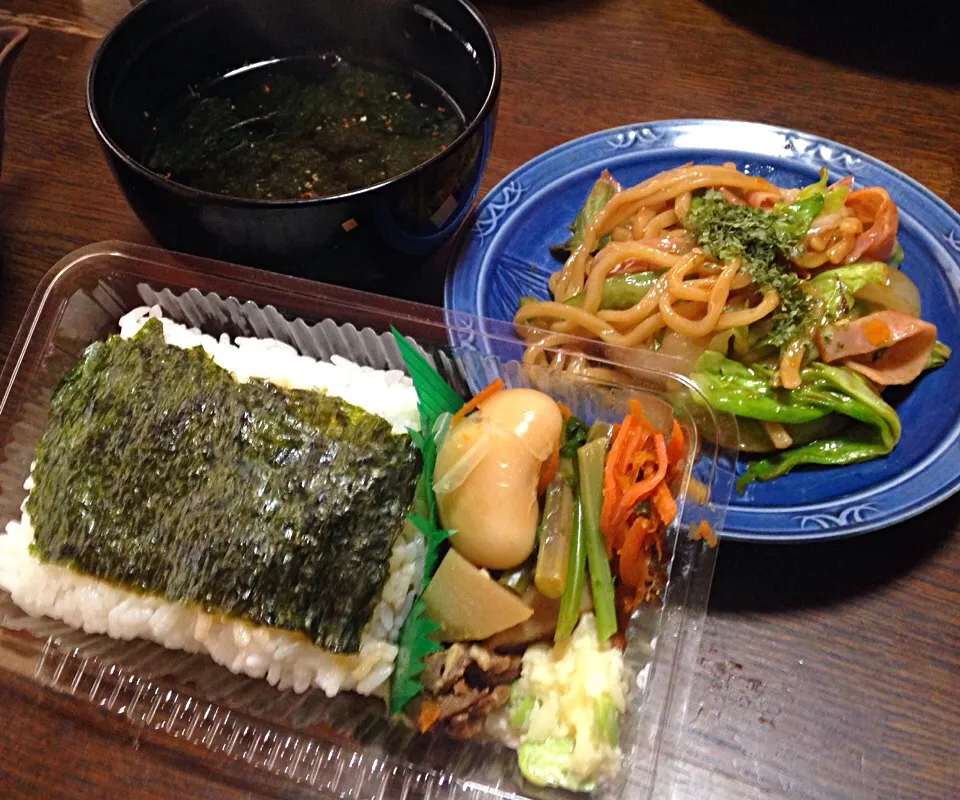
(569,611)
(574,436)
(600,193)
(556,532)
(590,459)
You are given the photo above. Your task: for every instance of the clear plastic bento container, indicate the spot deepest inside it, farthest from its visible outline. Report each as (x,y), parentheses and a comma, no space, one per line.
(342,746)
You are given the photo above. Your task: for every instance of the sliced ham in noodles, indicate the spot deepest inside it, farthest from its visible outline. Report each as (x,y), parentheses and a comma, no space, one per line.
(889,347)
(874,207)
(763,199)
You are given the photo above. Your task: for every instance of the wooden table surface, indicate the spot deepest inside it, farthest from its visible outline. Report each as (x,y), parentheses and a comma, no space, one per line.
(826,671)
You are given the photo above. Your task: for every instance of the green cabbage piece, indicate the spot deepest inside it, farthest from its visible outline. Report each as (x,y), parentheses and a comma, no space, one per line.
(938,356)
(546,764)
(606,722)
(836,287)
(746,391)
(520,708)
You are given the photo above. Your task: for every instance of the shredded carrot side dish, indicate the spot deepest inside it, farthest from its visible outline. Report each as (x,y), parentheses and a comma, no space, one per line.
(704,530)
(637,502)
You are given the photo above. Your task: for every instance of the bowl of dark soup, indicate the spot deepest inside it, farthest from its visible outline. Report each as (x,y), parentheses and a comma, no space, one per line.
(342,141)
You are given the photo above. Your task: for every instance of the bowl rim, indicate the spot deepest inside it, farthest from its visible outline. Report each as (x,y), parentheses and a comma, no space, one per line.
(189,193)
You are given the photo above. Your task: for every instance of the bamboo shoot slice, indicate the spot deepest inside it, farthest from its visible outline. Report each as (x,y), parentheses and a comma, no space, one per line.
(468,604)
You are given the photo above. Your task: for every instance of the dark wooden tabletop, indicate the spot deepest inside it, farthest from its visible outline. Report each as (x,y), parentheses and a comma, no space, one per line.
(826,671)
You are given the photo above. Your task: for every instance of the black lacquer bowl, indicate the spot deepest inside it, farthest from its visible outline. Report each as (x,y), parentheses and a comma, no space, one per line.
(364,237)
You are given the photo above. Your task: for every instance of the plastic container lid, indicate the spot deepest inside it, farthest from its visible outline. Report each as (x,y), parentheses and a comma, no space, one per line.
(342,745)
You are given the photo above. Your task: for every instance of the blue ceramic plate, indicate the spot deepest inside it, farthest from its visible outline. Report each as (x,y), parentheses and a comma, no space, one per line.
(504,255)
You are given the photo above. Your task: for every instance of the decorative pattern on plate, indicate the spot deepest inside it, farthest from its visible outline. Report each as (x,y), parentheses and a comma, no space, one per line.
(517,278)
(465,325)
(824,521)
(494,209)
(808,148)
(924,468)
(636,137)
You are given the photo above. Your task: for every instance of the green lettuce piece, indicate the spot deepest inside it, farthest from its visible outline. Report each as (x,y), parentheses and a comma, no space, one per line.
(794,220)
(600,194)
(546,764)
(745,391)
(848,392)
(836,287)
(832,198)
(818,187)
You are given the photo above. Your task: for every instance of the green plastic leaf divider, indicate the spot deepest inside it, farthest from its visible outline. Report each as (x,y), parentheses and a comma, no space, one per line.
(435,397)
(434,394)
(434,537)
(415,644)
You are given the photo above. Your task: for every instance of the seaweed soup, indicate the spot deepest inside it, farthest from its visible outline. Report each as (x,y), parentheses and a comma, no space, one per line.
(302,128)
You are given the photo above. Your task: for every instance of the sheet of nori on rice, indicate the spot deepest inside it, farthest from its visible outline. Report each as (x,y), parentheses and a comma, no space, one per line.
(160,473)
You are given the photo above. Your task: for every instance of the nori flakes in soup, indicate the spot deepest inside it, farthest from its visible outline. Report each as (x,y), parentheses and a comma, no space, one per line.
(303,128)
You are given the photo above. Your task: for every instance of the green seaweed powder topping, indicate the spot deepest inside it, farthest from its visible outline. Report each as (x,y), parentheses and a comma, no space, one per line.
(160,473)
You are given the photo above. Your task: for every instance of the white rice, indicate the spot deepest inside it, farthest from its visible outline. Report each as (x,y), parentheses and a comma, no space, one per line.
(285,659)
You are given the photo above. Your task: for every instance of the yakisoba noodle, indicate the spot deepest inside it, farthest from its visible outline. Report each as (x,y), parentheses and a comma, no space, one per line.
(660,190)
(787,306)
(695,297)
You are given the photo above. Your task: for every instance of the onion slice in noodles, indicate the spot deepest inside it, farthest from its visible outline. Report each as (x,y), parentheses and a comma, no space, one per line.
(897,292)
